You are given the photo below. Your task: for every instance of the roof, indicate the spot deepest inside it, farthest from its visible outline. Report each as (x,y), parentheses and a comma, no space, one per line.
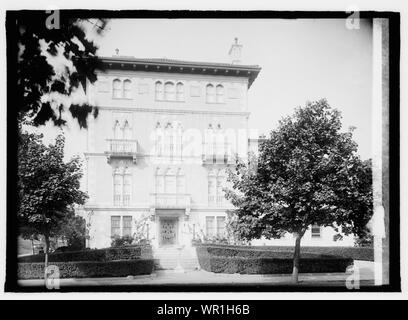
(182,66)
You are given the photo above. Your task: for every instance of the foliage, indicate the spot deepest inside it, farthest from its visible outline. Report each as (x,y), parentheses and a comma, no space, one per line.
(48,187)
(307,173)
(107,254)
(73,230)
(52,65)
(215,259)
(121,241)
(364,241)
(88,269)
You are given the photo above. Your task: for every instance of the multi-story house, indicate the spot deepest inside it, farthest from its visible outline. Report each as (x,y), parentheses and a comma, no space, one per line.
(157,152)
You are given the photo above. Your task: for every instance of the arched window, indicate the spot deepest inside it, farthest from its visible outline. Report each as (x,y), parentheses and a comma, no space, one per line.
(180,91)
(210,93)
(220,94)
(127,133)
(117,132)
(181,182)
(117,88)
(159,90)
(169,91)
(127,90)
(211,187)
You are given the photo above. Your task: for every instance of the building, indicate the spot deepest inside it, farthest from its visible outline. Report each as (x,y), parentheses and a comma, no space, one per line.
(157,152)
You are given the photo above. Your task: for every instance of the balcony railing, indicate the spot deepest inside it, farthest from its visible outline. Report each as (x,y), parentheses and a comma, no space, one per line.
(170,200)
(122,148)
(121,201)
(217,153)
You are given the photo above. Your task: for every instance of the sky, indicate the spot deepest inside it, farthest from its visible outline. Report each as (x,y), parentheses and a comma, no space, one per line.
(301,59)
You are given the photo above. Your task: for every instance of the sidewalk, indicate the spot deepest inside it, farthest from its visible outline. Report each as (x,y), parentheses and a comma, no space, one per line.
(201,277)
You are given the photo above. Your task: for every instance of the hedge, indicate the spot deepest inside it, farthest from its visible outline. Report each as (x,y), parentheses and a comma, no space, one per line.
(88,269)
(99,255)
(232,260)
(355,253)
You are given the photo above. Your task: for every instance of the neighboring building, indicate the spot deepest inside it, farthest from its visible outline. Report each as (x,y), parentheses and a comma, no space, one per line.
(156,153)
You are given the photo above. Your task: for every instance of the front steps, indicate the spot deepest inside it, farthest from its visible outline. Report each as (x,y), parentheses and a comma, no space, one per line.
(166,258)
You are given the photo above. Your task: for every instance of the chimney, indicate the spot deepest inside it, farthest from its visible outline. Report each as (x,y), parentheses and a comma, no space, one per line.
(235,52)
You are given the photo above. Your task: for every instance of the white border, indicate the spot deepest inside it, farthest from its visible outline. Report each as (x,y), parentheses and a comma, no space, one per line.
(400,5)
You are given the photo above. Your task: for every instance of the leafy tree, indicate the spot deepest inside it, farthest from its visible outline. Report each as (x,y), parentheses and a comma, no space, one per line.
(54,60)
(307,173)
(73,230)
(48,188)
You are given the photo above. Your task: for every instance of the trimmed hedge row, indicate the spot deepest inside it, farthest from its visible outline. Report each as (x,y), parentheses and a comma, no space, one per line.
(214,259)
(88,269)
(99,255)
(354,253)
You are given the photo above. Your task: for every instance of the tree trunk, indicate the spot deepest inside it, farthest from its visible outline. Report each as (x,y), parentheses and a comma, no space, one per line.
(47,249)
(296,259)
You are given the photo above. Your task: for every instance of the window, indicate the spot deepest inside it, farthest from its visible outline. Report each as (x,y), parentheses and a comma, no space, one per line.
(117,131)
(181,182)
(211,187)
(210,93)
(170,182)
(122,187)
(180,92)
(159,181)
(127,226)
(127,187)
(316,231)
(127,134)
(220,192)
(209,226)
(127,90)
(117,188)
(115,226)
(220,226)
(159,90)
(117,89)
(169,91)
(220,94)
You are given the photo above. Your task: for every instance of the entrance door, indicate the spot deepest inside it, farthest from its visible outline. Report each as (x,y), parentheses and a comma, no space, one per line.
(168,231)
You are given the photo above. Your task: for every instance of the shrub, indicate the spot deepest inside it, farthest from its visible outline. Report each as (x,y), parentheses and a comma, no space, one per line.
(121,241)
(100,255)
(85,269)
(222,259)
(354,253)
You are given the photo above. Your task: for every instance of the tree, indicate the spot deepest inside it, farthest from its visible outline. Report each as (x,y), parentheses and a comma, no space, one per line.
(44,87)
(307,173)
(73,230)
(48,188)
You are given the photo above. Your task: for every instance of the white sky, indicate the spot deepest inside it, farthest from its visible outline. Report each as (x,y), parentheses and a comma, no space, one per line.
(305,59)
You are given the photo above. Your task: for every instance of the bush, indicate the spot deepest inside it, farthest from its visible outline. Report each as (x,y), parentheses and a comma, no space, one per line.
(121,241)
(237,260)
(354,253)
(99,255)
(88,269)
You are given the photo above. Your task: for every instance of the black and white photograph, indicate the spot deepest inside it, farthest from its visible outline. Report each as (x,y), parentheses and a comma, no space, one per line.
(202,151)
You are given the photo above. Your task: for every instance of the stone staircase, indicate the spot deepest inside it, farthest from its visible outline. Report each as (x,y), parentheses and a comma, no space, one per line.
(166,258)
